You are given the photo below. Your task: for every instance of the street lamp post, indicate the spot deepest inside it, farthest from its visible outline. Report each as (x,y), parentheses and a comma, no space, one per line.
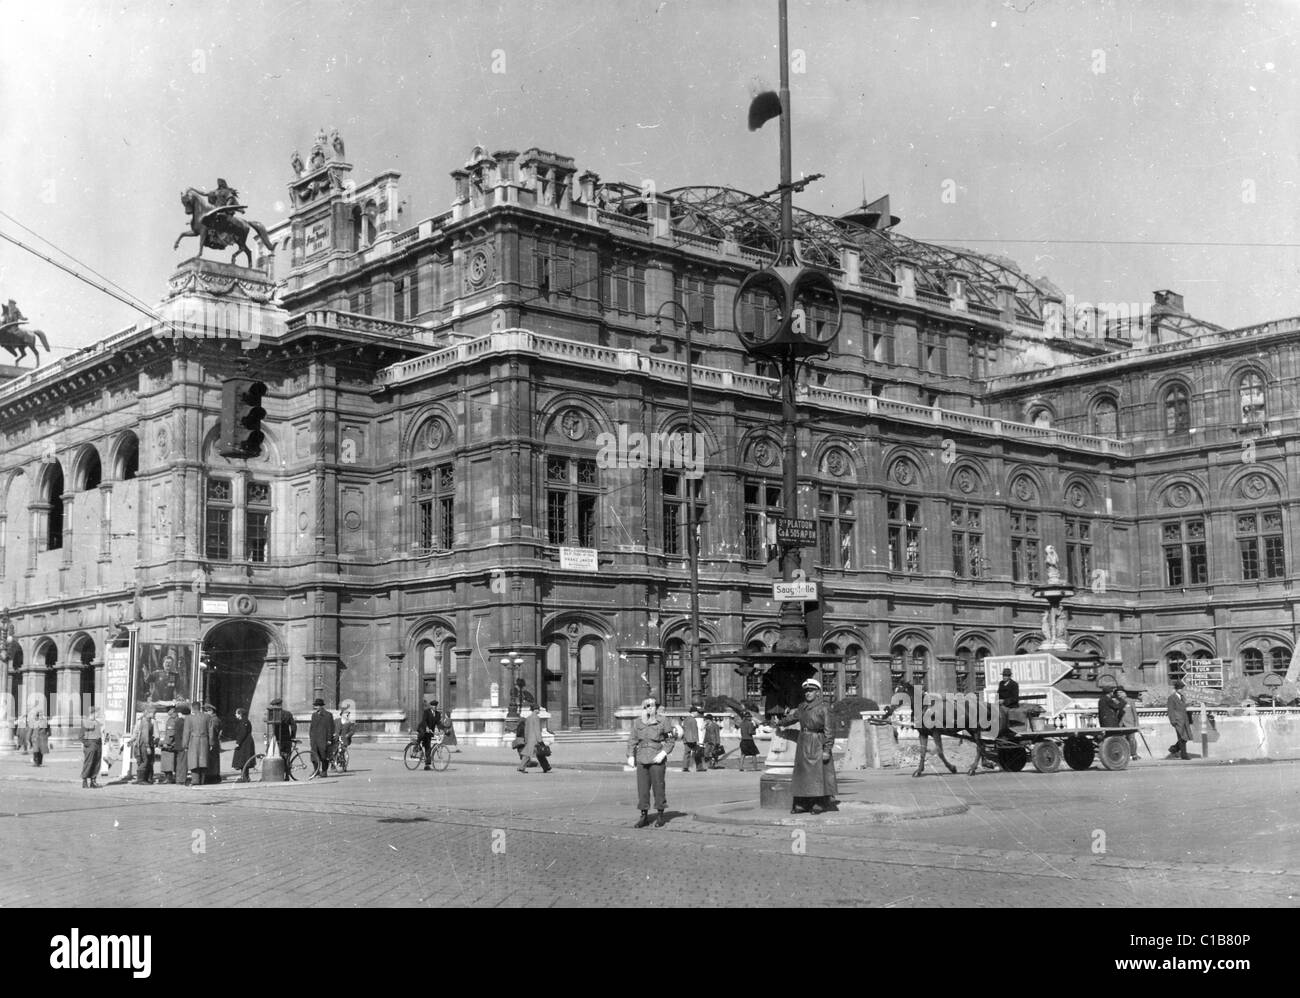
(807,309)
(692,533)
(513,664)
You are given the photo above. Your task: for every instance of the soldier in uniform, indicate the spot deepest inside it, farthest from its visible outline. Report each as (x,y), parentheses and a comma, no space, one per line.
(1008,691)
(649,744)
(171,734)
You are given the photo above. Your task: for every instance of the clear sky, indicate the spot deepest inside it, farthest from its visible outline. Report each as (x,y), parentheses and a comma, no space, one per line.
(1113,147)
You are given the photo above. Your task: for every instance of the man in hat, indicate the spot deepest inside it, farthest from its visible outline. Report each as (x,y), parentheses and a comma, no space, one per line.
(532,739)
(430,721)
(1127,717)
(213,772)
(285,732)
(1176,708)
(1008,691)
(691,739)
(648,746)
(322,737)
(813,786)
(197,745)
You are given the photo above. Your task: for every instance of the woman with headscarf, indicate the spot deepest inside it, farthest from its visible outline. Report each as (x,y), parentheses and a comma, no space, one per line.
(244,747)
(813,785)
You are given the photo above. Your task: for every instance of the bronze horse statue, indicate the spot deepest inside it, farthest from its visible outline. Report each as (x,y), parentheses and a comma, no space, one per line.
(219,228)
(19,341)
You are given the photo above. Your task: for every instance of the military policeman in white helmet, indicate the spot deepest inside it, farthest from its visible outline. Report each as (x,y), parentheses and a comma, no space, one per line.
(813,786)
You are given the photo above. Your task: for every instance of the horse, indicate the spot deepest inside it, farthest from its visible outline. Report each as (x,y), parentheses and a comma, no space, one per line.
(19,341)
(957,714)
(220,229)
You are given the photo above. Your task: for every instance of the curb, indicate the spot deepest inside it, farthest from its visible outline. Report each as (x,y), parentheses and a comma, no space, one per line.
(849,813)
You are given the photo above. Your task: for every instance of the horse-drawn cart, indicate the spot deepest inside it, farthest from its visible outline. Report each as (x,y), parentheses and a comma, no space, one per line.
(1047,747)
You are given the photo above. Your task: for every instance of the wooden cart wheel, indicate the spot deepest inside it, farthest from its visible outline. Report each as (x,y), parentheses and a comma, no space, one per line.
(1012,758)
(1079,752)
(1046,756)
(1114,752)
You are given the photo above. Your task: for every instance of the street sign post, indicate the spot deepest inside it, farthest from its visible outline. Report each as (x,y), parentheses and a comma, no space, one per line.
(794,592)
(796,533)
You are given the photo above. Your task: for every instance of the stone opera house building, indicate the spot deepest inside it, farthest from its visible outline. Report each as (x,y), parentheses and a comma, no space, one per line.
(438,391)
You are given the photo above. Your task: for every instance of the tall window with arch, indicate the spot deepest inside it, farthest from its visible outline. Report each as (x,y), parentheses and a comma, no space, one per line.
(1175,665)
(1105,417)
(52,497)
(1261,544)
(572,494)
(1250,397)
(1177,409)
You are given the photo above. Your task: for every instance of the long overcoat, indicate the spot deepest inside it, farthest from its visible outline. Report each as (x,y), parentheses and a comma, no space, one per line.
(40,735)
(169,737)
(1176,707)
(812,777)
(244,747)
(197,742)
(213,772)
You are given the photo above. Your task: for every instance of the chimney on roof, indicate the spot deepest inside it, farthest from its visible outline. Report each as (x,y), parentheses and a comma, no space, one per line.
(1171,300)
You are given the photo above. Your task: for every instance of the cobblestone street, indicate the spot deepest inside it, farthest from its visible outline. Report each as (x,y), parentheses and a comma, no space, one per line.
(481,834)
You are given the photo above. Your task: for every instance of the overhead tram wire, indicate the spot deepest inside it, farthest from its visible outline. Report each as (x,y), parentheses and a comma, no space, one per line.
(85,266)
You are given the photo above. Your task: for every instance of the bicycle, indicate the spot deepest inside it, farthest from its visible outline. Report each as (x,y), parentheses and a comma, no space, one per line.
(439,755)
(300,766)
(339,758)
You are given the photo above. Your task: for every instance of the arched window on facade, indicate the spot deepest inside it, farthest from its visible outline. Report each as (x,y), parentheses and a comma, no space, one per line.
(1174,663)
(1177,410)
(89,473)
(1252,662)
(1041,417)
(970,666)
(126,463)
(53,498)
(1105,417)
(1279,660)
(674,662)
(1250,397)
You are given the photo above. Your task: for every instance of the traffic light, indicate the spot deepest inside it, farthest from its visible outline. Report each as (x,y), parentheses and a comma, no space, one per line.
(241,418)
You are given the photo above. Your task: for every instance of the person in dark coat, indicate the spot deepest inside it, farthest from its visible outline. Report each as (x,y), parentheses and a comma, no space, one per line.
(649,744)
(1176,708)
(182,749)
(532,737)
(712,741)
(1128,718)
(213,773)
(39,734)
(748,747)
(197,746)
(92,747)
(1108,712)
(448,731)
(430,722)
(285,732)
(691,739)
(169,739)
(245,749)
(518,743)
(1008,691)
(321,733)
(813,785)
(142,745)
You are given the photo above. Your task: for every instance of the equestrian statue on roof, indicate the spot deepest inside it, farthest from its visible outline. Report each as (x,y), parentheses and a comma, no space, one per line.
(214,218)
(18,341)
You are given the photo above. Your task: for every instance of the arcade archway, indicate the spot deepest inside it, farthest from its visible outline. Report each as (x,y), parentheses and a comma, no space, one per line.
(236,653)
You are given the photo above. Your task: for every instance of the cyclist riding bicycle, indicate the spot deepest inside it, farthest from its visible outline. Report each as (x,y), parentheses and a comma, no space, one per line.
(430,726)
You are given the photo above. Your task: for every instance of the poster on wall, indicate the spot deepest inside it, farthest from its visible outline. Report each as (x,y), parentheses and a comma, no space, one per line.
(164,672)
(117,680)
